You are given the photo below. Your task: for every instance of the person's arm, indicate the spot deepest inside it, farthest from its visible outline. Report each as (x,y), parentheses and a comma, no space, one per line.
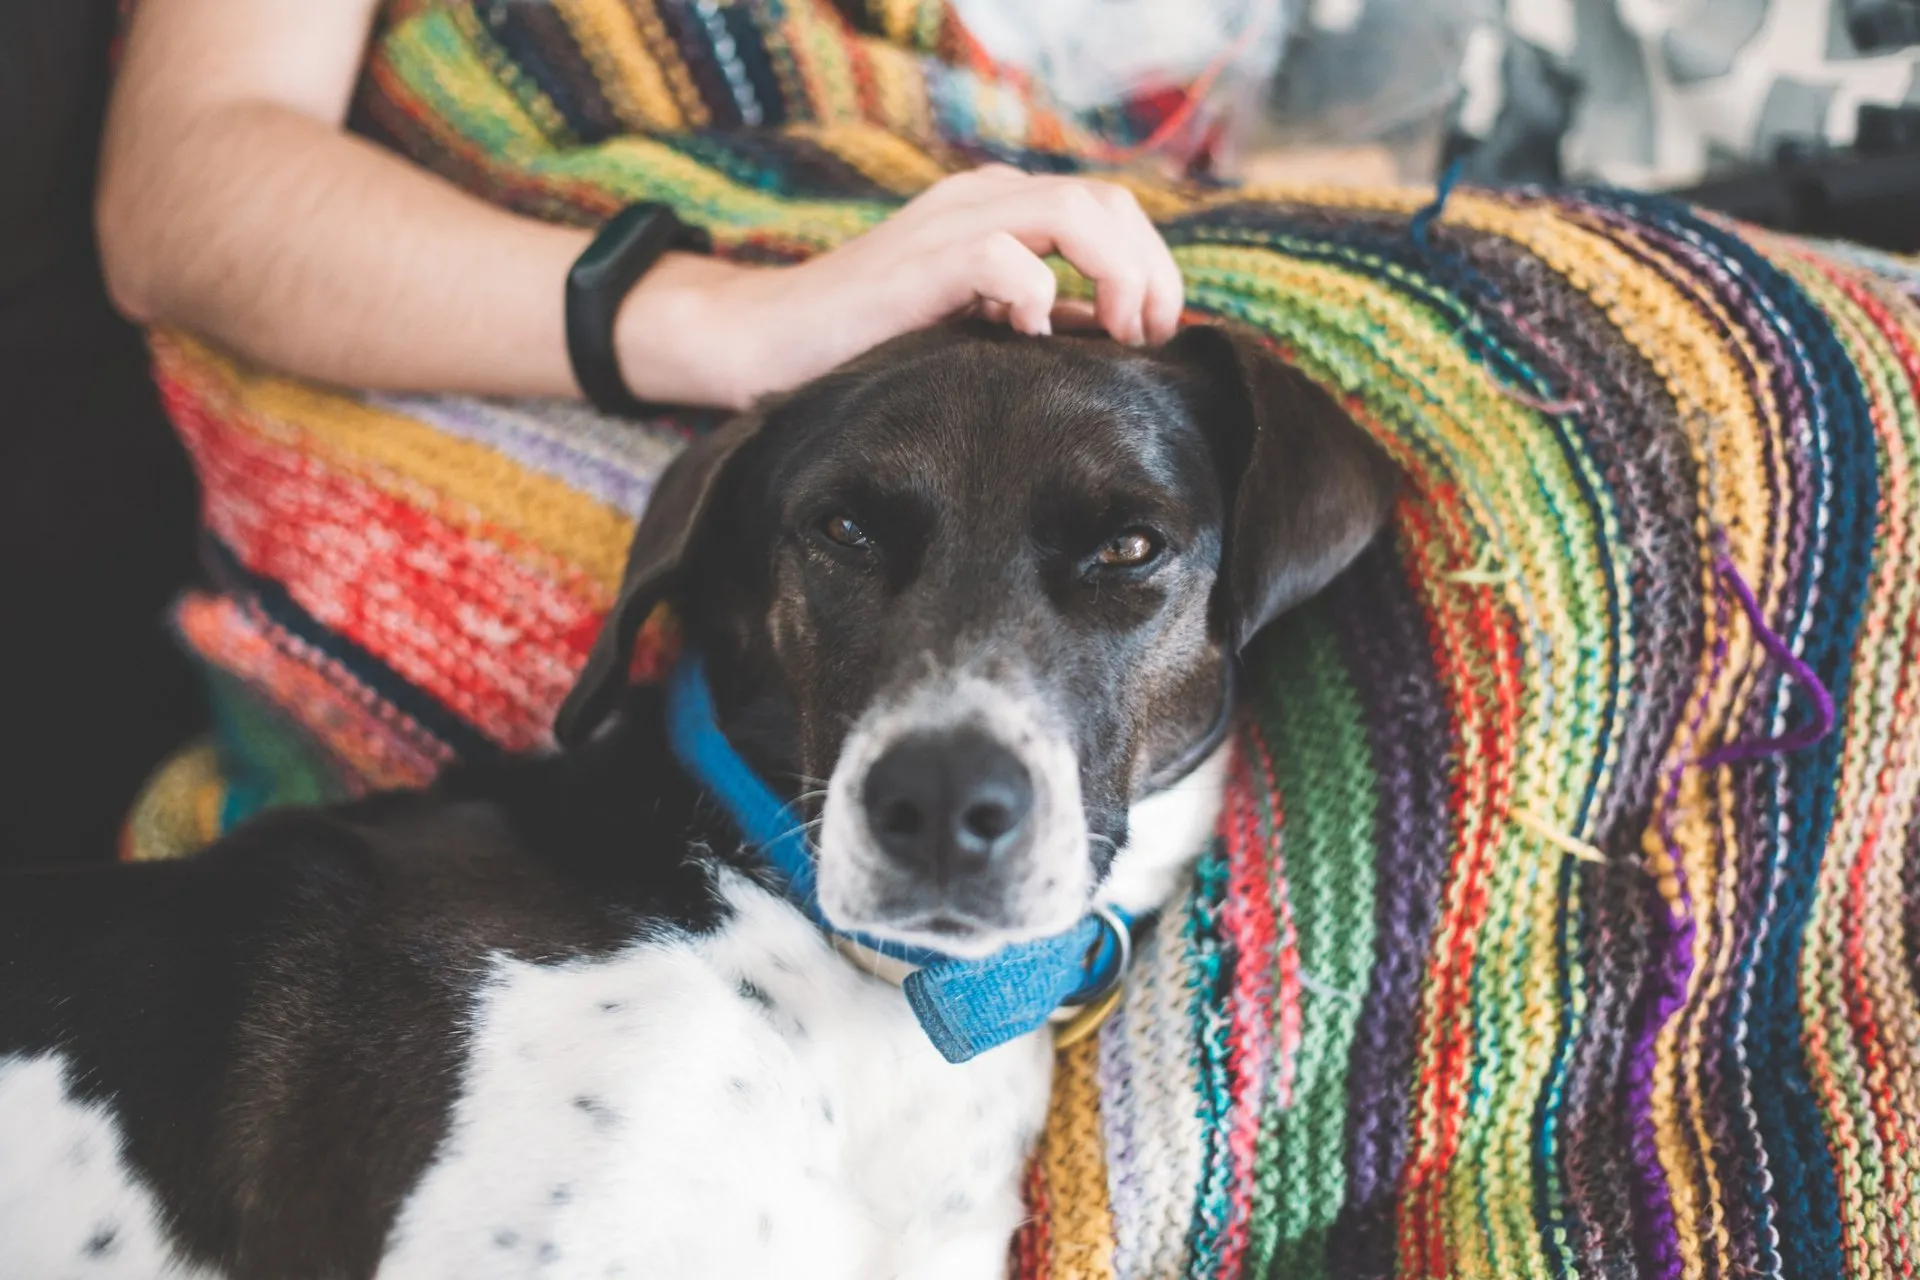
(233,203)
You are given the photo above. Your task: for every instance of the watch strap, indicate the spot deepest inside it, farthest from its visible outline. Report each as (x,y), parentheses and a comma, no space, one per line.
(624,250)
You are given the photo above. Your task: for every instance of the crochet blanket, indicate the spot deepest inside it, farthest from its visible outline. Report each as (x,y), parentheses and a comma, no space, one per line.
(1564,919)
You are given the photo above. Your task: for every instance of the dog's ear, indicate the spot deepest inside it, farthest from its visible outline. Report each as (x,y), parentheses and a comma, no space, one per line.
(663,548)
(1308,489)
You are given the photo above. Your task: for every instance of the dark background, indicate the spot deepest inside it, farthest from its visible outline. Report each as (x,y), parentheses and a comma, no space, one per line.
(96,499)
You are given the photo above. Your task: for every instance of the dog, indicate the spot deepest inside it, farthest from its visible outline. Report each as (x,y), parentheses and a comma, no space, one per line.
(963,615)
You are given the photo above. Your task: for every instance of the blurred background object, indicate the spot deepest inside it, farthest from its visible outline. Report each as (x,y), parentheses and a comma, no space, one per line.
(1175,78)
(1803,115)
(1374,78)
(1798,114)
(1664,93)
(1092,53)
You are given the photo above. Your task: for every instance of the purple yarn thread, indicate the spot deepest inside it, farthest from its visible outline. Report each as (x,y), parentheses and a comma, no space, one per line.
(1677,964)
(1799,672)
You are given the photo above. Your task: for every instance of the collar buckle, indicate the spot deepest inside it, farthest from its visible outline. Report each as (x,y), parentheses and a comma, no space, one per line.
(1091,1011)
(1088,1018)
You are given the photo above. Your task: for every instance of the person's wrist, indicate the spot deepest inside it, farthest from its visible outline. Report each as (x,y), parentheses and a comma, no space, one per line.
(679,337)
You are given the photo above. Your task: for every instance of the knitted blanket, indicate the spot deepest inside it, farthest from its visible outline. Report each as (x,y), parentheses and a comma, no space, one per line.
(1564,919)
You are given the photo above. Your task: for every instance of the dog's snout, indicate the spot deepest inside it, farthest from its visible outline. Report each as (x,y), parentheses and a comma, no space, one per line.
(948,805)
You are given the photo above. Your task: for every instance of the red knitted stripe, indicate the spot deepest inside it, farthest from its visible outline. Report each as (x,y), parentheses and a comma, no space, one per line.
(1465,641)
(458,615)
(1254,867)
(1032,1254)
(1895,1128)
(860,65)
(376,745)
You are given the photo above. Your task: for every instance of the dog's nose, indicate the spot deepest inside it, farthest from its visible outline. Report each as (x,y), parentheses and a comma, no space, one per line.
(948,804)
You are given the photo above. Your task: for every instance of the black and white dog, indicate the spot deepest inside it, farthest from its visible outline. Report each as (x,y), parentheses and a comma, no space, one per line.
(967,609)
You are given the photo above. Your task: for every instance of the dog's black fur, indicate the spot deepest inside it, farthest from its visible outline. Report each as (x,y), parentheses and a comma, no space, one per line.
(277,1023)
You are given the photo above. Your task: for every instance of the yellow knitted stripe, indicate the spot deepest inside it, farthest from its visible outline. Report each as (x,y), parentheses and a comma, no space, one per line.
(1703,827)
(825,60)
(1325,195)
(469,486)
(880,155)
(1490,1184)
(666,56)
(512,78)
(178,811)
(899,20)
(623,66)
(1898,985)
(425,52)
(1073,1156)
(642,169)
(902,91)
(1709,860)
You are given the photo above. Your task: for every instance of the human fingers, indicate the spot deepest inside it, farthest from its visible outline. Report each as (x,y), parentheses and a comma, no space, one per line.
(1089,226)
(1009,282)
(1166,292)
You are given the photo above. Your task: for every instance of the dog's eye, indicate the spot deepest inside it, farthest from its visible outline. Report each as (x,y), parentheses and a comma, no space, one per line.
(1129,549)
(843,530)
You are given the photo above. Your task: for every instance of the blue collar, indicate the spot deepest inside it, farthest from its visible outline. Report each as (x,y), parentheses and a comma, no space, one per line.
(965,1006)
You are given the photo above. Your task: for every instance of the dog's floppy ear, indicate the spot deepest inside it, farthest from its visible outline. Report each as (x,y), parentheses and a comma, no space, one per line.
(663,547)
(1308,488)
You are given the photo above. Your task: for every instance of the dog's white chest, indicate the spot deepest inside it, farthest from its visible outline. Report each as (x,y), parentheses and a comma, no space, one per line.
(746,1104)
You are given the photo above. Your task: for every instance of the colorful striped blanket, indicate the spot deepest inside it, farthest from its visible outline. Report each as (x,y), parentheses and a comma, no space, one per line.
(1565,916)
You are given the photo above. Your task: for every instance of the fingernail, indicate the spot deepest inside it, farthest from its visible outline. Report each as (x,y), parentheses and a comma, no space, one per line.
(1045,328)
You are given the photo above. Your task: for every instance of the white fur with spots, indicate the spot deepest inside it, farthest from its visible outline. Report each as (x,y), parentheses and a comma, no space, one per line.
(747,1104)
(742,1104)
(70,1208)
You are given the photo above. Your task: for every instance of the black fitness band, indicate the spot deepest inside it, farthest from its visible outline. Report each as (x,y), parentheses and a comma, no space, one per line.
(625,249)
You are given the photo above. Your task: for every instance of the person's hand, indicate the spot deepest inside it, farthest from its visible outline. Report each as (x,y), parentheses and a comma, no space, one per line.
(707,332)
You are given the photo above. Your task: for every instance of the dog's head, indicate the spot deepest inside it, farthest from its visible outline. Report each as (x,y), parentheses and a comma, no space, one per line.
(973,593)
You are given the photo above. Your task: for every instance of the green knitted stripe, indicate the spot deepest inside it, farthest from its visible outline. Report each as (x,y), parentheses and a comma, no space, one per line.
(436,60)
(1321,757)
(267,761)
